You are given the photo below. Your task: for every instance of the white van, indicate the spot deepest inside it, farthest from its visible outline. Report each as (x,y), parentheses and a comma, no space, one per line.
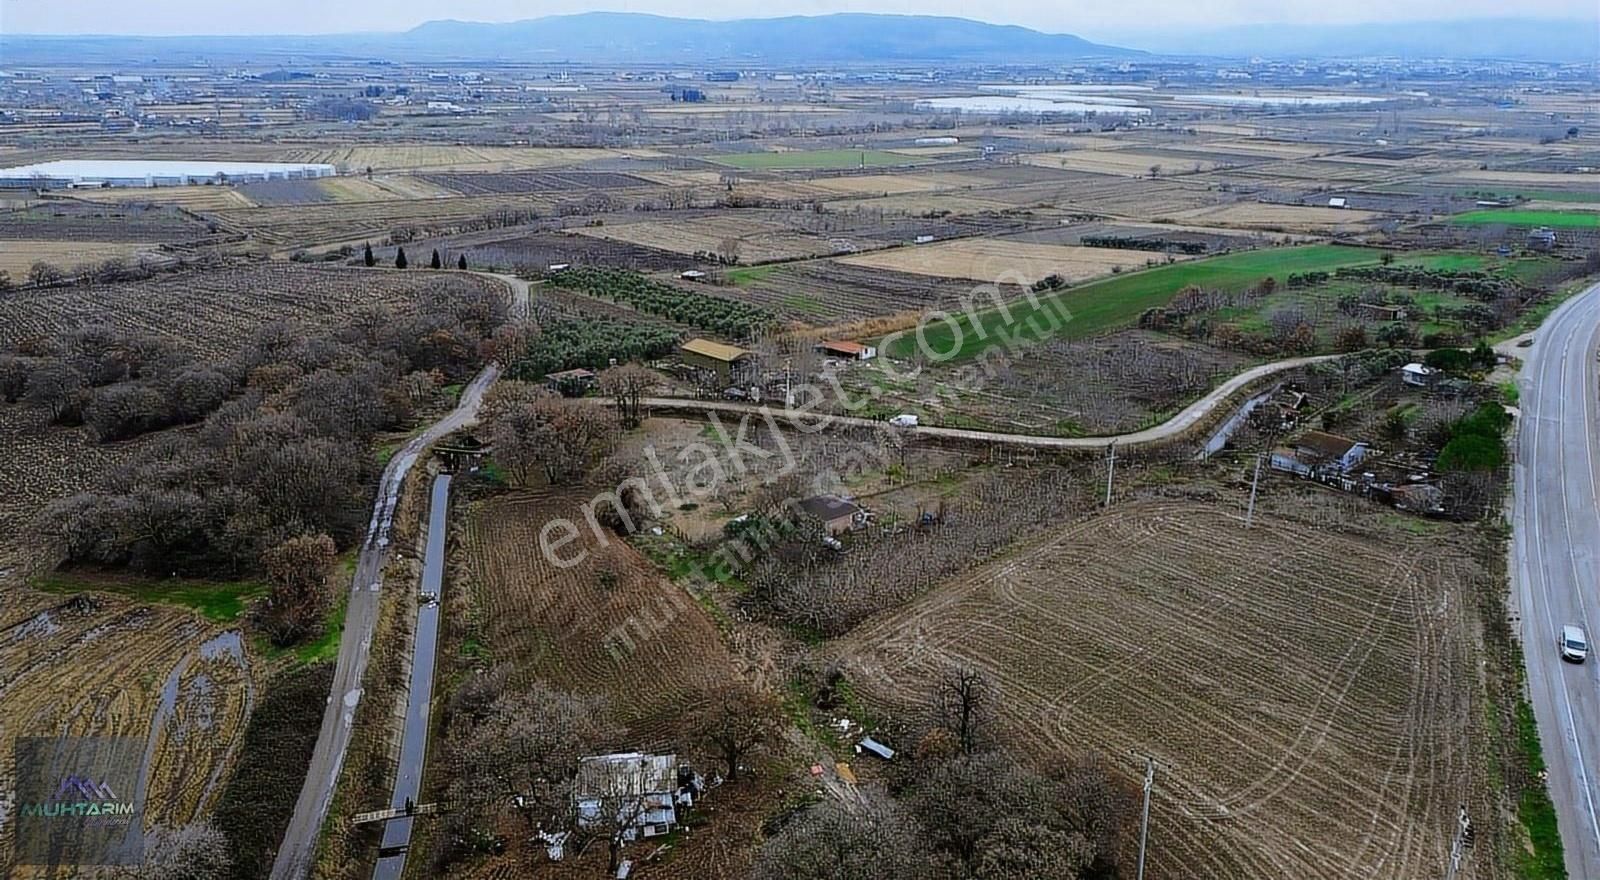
(904,420)
(1573,645)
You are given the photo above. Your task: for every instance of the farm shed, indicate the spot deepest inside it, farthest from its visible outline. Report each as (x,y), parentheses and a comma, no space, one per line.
(570,383)
(728,361)
(1380,312)
(1338,202)
(838,515)
(148,173)
(853,351)
(1317,453)
(1420,375)
(1542,239)
(644,790)
(873,747)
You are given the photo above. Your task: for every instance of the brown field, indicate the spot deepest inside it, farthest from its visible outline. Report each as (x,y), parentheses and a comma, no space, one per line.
(212,312)
(1312,696)
(643,642)
(1124,163)
(96,664)
(989,260)
(195,198)
(19,254)
(759,240)
(1289,218)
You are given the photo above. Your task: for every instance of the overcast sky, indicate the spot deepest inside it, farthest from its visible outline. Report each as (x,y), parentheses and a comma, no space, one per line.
(1090,18)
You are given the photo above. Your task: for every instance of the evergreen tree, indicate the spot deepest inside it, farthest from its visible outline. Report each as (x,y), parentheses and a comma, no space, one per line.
(368,258)
(400,259)
(436,264)
(461,263)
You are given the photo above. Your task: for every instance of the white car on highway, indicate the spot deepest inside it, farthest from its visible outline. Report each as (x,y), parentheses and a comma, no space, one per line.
(1574,646)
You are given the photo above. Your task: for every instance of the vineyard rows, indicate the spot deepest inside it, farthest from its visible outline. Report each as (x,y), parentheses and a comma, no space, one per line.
(723,316)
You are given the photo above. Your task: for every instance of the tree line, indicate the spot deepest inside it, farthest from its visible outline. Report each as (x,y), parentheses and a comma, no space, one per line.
(274,475)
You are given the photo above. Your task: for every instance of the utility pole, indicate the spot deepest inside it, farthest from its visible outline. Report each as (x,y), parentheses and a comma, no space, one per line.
(1144,823)
(1111,468)
(1250,512)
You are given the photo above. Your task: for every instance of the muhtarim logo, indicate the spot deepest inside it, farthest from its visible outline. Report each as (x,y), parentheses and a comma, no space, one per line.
(79,796)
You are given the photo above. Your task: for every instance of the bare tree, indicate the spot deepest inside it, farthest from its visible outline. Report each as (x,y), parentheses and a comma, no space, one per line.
(733,721)
(829,842)
(963,704)
(627,385)
(525,751)
(537,432)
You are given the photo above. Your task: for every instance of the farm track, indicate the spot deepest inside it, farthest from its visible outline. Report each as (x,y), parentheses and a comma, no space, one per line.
(1125,634)
(1174,428)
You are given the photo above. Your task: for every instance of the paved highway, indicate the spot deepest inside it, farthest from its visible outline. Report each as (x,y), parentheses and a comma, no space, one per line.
(1555,561)
(338,720)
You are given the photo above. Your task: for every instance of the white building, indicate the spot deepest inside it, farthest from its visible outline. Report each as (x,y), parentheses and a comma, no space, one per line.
(65,173)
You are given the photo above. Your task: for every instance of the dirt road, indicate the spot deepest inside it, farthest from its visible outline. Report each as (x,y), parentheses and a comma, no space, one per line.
(311,809)
(1555,561)
(1173,427)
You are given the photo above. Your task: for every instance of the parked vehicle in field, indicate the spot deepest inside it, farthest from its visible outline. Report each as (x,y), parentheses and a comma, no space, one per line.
(904,420)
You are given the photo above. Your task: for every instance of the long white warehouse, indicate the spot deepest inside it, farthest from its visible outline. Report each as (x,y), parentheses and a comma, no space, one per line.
(150,172)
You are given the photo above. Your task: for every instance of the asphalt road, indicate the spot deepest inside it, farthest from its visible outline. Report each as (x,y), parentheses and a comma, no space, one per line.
(419,699)
(1555,561)
(299,845)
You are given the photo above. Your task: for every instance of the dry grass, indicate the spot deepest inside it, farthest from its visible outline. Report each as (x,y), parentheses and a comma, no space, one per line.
(1124,163)
(993,260)
(97,665)
(759,241)
(195,198)
(18,255)
(1289,218)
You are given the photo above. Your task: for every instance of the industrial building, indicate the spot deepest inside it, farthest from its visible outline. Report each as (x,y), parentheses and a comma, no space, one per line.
(66,173)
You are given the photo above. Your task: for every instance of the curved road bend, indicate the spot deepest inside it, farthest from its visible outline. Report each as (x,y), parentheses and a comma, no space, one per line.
(333,739)
(1167,430)
(1555,561)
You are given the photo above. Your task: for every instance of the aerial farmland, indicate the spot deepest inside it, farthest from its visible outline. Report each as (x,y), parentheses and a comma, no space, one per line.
(1071,463)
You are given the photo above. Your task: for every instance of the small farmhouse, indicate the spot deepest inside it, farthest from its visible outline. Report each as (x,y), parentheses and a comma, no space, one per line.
(853,351)
(1419,375)
(728,362)
(838,515)
(1542,239)
(1317,453)
(642,792)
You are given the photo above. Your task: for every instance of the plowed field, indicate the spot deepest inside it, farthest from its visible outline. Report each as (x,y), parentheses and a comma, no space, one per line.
(1313,697)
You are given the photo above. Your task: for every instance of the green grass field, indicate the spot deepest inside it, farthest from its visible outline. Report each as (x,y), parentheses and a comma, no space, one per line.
(222,601)
(812,159)
(1510,217)
(1118,301)
(749,274)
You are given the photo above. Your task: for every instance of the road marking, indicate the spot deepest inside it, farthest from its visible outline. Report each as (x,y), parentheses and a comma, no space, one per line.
(1538,542)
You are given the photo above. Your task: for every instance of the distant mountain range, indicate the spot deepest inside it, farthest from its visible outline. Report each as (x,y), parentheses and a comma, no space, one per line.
(1508,38)
(614,37)
(611,37)
(826,38)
